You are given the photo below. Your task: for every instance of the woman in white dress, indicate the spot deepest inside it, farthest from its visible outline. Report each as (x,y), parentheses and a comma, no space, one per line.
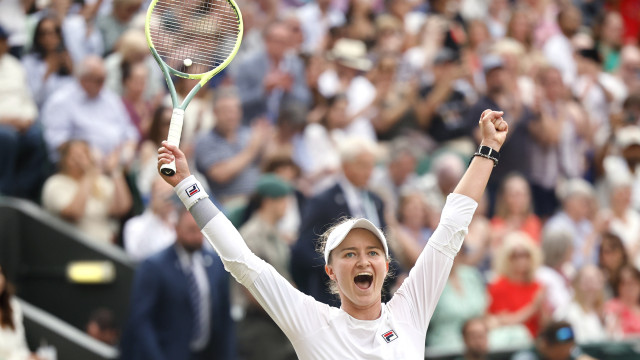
(357,263)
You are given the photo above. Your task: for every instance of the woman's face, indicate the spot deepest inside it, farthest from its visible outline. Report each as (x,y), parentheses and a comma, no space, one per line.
(337,115)
(359,266)
(621,196)
(612,255)
(77,159)
(48,35)
(591,280)
(629,287)
(520,261)
(520,27)
(516,196)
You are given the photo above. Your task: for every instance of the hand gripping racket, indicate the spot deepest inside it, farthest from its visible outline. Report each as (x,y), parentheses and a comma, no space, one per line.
(193,39)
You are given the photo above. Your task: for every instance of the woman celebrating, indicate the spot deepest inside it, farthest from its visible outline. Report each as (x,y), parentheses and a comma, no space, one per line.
(357,262)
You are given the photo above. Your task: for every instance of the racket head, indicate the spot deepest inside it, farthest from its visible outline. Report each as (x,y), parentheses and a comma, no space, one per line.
(206,32)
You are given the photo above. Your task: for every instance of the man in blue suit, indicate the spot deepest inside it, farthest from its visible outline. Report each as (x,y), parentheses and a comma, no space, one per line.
(348,197)
(180,303)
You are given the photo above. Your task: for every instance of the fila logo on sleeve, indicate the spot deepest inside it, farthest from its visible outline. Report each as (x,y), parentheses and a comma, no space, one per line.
(192,190)
(389,336)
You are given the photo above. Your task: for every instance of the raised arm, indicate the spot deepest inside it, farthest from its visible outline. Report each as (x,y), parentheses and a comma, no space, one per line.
(494,131)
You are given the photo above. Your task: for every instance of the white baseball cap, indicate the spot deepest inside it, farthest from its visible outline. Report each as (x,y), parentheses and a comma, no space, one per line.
(340,232)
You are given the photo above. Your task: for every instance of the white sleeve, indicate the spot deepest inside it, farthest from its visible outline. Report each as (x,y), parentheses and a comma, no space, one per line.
(295,312)
(418,296)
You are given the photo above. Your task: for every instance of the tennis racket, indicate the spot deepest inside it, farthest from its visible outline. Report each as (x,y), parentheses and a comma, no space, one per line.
(193,39)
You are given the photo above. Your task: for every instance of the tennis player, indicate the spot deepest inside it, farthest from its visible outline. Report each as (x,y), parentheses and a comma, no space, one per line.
(357,261)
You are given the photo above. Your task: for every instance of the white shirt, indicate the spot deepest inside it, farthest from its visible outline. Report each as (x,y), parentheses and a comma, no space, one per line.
(146,234)
(15,98)
(558,292)
(318,331)
(559,52)
(587,327)
(102,121)
(81,44)
(13,345)
(316,25)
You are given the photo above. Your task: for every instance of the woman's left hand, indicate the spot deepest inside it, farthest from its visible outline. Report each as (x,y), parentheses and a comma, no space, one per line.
(493,129)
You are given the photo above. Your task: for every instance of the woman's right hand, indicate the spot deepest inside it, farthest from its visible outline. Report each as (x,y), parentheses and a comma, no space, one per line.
(168,153)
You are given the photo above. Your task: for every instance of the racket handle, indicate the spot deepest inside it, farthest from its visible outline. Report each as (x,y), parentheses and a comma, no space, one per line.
(173,138)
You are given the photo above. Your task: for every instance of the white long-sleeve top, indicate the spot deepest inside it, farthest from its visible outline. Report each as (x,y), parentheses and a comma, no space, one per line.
(319,331)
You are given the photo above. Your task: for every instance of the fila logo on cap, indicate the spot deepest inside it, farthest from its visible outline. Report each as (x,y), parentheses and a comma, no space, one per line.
(389,336)
(192,190)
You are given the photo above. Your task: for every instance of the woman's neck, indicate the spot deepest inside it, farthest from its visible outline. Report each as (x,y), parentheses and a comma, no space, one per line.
(371,312)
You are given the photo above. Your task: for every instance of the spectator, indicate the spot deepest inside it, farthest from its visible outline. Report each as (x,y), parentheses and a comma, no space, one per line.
(259,337)
(623,220)
(515,295)
(612,257)
(81,36)
(134,82)
(577,199)
(132,48)
(622,313)
(279,72)
(476,342)
(557,249)
(13,344)
(392,110)
(317,18)
(629,67)
(228,155)
(514,210)
(557,149)
(350,61)
(145,166)
(397,174)
(153,230)
(447,169)
(623,160)
(180,303)
(321,139)
(463,298)
(20,139)
(348,197)
(441,109)
(585,312)
(113,25)
(503,95)
(609,40)
(48,63)
(555,342)
(102,326)
(84,194)
(415,222)
(558,50)
(85,110)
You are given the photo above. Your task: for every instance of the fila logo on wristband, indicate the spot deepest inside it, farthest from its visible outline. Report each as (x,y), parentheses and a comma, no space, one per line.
(192,190)
(389,336)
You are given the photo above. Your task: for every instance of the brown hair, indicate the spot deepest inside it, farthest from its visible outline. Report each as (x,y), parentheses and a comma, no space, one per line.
(6,312)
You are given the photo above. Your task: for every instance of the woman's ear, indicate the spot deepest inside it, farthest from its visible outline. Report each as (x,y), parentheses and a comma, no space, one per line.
(329,270)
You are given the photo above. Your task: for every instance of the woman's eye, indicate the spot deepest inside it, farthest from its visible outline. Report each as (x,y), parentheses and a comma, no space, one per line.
(349,255)
(373,253)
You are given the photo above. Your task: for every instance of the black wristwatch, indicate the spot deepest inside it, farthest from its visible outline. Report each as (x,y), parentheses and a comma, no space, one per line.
(489,153)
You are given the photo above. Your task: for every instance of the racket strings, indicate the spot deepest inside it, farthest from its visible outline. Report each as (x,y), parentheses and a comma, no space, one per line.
(204,31)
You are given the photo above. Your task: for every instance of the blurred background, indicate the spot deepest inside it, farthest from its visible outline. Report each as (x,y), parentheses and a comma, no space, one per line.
(331,108)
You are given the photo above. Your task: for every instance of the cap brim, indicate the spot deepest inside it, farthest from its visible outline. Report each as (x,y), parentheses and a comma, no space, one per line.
(338,235)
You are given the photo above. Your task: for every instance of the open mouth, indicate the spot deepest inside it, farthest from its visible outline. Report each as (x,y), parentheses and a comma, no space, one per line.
(363,280)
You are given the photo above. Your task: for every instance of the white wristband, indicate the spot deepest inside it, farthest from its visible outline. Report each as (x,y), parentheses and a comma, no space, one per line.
(190,191)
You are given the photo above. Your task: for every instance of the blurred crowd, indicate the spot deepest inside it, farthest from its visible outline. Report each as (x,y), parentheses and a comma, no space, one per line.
(337,108)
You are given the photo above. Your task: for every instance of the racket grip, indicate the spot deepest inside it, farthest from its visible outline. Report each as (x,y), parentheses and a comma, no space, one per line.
(173,138)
